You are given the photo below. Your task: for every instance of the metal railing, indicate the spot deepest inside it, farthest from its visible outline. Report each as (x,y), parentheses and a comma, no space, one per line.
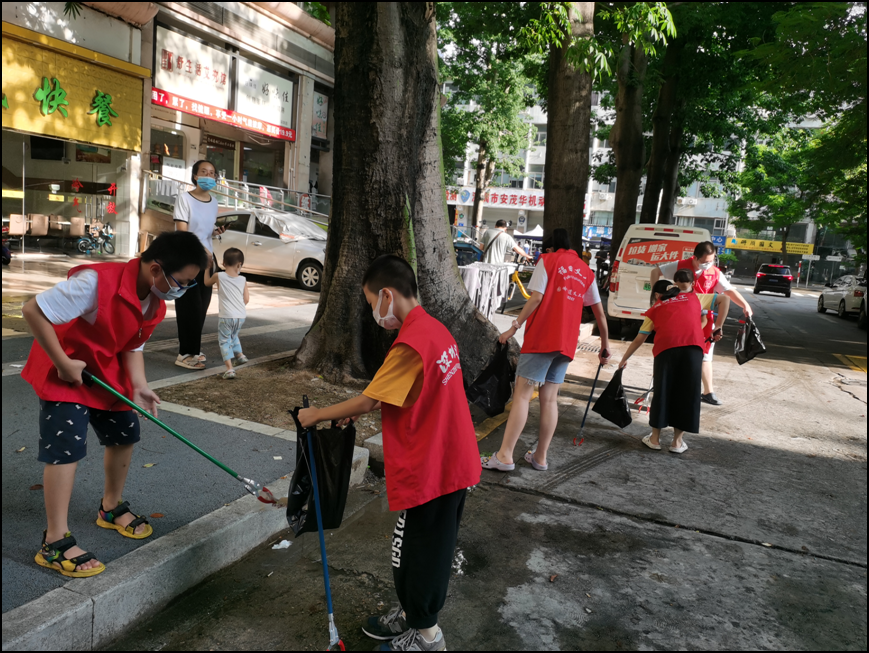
(162,191)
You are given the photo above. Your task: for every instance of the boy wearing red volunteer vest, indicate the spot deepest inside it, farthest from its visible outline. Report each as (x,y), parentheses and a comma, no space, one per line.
(98,319)
(561,285)
(680,341)
(707,280)
(429,449)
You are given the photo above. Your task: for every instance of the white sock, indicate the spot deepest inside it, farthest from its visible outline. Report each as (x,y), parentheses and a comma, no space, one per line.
(434,634)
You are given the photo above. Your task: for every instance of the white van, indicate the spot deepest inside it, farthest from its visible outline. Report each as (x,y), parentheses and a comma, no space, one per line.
(644,247)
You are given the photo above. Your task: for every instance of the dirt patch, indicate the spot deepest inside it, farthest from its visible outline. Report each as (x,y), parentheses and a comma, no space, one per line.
(264,393)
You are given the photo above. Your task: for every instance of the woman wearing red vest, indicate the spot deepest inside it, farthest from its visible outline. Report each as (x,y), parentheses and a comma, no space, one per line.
(561,285)
(675,316)
(98,319)
(429,450)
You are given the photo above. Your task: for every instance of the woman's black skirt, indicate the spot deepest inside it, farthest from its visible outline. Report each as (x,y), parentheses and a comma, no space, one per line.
(676,398)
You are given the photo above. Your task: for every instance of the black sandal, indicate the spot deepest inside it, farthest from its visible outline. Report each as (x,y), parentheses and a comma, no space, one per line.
(51,556)
(107,520)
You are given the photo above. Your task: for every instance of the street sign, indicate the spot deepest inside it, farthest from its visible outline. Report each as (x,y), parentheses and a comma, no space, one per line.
(811,257)
(834,258)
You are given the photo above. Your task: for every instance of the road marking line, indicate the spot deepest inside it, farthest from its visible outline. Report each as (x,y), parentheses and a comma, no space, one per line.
(856,363)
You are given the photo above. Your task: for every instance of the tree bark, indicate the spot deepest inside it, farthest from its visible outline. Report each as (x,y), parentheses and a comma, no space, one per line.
(626,138)
(480,184)
(568,127)
(670,188)
(388,193)
(666,104)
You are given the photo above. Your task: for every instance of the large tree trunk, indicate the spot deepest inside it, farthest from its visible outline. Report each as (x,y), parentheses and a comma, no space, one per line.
(388,193)
(626,138)
(667,98)
(670,188)
(568,127)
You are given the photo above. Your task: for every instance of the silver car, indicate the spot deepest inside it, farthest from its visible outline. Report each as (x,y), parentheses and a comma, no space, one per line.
(275,244)
(843,295)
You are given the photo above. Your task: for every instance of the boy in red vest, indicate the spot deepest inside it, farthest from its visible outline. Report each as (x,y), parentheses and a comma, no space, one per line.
(98,319)
(429,448)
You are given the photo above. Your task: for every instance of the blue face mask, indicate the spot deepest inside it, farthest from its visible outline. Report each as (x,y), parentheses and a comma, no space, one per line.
(173,292)
(206,183)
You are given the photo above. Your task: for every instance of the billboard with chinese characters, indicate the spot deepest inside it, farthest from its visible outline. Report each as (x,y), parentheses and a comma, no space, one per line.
(264,95)
(190,69)
(319,123)
(771,246)
(515,198)
(652,251)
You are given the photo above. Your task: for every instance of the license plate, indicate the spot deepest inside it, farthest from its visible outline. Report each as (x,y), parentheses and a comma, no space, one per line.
(647,285)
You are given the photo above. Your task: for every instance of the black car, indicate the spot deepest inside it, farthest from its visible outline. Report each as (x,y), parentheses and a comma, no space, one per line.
(774,278)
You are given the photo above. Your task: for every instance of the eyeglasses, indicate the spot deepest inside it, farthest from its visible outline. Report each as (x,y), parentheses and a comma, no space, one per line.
(206,174)
(177,283)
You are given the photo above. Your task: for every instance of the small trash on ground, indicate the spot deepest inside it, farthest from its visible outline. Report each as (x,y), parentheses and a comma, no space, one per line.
(20,450)
(157,515)
(38,486)
(552,578)
(149,464)
(283,544)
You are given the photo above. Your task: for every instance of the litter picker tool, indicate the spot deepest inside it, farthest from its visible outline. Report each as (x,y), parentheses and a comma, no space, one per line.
(333,630)
(579,437)
(257,490)
(640,402)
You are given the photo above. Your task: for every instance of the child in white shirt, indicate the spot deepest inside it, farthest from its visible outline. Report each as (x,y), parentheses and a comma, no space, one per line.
(232,295)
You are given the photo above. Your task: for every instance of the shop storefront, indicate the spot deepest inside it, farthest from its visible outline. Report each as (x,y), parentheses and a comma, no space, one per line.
(72,128)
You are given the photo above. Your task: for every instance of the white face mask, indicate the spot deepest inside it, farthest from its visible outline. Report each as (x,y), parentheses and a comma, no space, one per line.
(389,321)
(705,266)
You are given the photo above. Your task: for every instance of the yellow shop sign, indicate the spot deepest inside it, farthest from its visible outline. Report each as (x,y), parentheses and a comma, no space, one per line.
(772,246)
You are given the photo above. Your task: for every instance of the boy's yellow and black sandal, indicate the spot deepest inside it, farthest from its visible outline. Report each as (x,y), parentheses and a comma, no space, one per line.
(51,556)
(107,520)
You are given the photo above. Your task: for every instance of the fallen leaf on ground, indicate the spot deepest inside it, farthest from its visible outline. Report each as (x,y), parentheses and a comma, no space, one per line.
(552,578)
(766,544)
(805,548)
(149,464)
(157,515)
(20,450)
(38,486)
(588,595)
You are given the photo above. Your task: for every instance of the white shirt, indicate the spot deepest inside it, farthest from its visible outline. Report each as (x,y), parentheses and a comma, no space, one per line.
(539,280)
(230,296)
(498,251)
(669,269)
(199,216)
(78,297)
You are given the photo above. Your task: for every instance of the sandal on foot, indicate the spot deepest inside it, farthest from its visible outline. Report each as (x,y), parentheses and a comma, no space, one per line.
(51,556)
(241,359)
(190,362)
(492,462)
(107,520)
(200,357)
(648,442)
(229,374)
(681,449)
(529,458)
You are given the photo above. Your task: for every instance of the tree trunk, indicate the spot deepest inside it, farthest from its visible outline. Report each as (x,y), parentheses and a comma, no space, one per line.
(670,189)
(784,245)
(388,193)
(626,138)
(661,132)
(480,185)
(568,127)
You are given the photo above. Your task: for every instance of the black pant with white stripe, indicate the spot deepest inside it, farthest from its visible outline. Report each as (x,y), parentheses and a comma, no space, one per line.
(423,545)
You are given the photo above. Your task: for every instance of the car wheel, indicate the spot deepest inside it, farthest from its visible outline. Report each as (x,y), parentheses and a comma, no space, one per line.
(841,312)
(788,293)
(756,291)
(821,308)
(310,275)
(861,317)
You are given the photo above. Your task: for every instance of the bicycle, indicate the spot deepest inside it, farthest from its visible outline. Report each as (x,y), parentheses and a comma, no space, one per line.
(100,241)
(516,282)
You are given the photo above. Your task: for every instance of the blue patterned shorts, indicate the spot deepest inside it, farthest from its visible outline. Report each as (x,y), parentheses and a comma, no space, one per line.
(63,429)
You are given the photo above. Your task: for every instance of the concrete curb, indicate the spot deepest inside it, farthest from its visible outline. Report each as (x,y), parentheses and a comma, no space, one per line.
(89,612)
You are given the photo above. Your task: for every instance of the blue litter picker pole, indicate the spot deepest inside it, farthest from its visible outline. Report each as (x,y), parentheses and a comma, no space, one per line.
(333,630)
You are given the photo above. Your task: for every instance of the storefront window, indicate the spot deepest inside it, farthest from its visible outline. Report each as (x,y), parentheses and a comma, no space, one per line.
(262,164)
(167,153)
(221,153)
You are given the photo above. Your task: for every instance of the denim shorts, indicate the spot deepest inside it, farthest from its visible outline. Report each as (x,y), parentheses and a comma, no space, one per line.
(543,368)
(63,430)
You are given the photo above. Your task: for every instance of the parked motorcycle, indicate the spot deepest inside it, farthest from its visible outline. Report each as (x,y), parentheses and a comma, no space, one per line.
(101,241)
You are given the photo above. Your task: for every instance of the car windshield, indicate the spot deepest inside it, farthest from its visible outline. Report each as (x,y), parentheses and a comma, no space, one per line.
(775,269)
(291,226)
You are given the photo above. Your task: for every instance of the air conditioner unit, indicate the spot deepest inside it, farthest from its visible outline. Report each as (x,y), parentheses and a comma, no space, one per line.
(607,196)
(680,200)
(692,201)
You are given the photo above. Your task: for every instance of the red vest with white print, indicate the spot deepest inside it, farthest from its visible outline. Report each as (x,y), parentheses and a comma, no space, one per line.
(705,282)
(554,326)
(119,327)
(677,322)
(429,448)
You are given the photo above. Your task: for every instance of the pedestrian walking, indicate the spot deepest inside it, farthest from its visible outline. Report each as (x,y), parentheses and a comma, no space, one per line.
(98,319)
(497,242)
(708,279)
(196,212)
(430,453)
(676,317)
(232,298)
(560,286)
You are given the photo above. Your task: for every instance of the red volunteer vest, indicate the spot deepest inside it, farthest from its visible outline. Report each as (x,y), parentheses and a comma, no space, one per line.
(677,322)
(119,327)
(554,326)
(704,283)
(430,448)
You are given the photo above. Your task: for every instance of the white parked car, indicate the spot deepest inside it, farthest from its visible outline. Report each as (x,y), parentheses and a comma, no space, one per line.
(275,244)
(844,295)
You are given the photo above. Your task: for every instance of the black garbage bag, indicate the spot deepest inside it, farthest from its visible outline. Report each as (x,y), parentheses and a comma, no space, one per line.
(492,389)
(612,404)
(333,456)
(748,342)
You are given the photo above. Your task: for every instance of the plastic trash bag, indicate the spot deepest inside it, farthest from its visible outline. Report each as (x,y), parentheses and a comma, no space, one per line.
(492,389)
(748,342)
(612,404)
(333,455)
